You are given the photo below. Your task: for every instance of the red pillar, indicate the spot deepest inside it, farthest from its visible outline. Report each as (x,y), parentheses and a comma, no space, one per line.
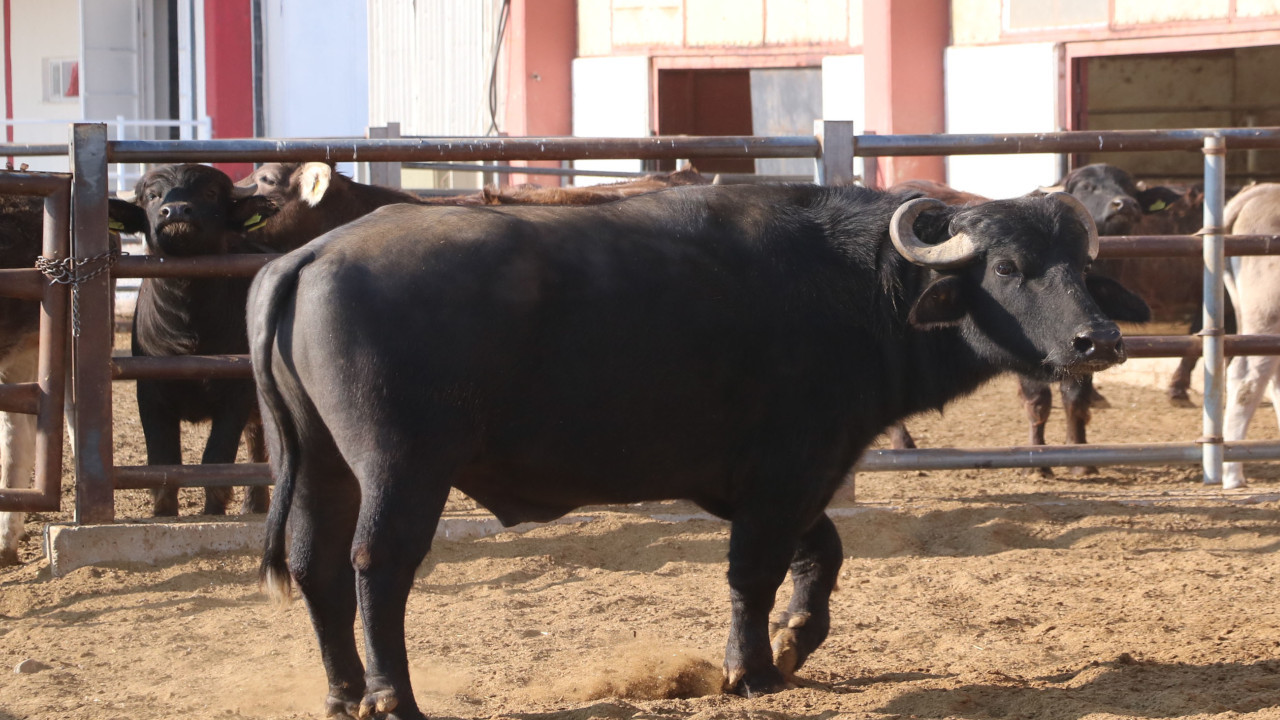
(902,48)
(228,28)
(542,41)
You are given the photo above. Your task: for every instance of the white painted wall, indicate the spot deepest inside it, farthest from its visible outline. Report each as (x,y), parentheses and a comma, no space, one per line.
(1002,89)
(610,99)
(315,68)
(844,93)
(46,29)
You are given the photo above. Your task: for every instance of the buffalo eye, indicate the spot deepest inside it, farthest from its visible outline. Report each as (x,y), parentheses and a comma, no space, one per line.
(153,195)
(1004,268)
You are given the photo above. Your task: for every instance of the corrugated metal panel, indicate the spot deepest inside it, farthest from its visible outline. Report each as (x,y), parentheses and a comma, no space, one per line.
(429,65)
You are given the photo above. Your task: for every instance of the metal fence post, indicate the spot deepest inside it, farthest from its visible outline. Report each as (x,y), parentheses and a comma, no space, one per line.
(1215,170)
(386,174)
(93,327)
(871,168)
(835,140)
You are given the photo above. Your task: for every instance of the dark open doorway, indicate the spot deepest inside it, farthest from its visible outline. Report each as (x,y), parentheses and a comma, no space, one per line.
(706,102)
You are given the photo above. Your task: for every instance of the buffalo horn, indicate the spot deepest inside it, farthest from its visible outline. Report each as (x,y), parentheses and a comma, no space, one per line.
(245,188)
(958,250)
(126,195)
(1085,217)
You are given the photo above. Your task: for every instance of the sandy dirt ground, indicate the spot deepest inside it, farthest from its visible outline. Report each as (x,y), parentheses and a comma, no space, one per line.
(1134,593)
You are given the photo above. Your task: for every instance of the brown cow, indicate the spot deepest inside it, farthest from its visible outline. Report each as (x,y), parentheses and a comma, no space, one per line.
(20,244)
(313,198)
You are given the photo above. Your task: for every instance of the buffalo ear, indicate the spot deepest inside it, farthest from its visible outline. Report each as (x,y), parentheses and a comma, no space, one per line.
(941,304)
(313,181)
(125,217)
(251,213)
(1117,301)
(1156,199)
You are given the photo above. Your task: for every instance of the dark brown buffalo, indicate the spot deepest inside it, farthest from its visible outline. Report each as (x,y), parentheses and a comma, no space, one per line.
(186,211)
(737,346)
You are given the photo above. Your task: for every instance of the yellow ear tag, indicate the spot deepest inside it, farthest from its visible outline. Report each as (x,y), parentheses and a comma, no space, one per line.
(255,222)
(115,226)
(1158,206)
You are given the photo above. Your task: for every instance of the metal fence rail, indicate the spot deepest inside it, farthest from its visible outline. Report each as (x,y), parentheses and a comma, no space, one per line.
(833,147)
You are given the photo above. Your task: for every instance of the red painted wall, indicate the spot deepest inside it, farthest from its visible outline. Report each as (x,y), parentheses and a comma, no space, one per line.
(542,41)
(228,27)
(903,43)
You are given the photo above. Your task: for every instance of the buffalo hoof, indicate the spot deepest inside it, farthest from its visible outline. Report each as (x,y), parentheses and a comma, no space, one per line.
(763,682)
(9,558)
(341,709)
(1043,472)
(1179,398)
(165,506)
(786,653)
(384,704)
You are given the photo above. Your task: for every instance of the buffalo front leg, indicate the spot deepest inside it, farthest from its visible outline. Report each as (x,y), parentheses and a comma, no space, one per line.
(759,553)
(1180,384)
(1038,400)
(806,622)
(899,437)
(162,432)
(223,443)
(1077,393)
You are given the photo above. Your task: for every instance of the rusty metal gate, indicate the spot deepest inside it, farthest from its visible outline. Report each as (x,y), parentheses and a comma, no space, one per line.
(43,398)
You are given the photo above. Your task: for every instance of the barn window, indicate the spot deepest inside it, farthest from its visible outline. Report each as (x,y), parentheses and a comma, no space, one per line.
(61,80)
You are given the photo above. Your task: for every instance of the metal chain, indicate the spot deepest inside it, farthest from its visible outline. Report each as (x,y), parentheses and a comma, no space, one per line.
(70,271)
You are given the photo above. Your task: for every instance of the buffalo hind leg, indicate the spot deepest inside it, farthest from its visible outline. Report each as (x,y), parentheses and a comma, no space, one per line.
(323,522)
(398,518)
(1038,400)
(1077,393)
(257,498)
(806,622)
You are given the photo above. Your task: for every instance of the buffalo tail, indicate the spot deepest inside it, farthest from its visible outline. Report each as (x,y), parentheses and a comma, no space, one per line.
(266,299)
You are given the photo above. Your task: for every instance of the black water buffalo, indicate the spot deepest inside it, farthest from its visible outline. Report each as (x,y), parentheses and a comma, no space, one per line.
(184,211)
(1120,206)
(1078,394)
(21,238)
(736,346)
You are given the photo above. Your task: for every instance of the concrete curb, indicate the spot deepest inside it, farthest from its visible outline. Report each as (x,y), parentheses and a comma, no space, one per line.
(70,547)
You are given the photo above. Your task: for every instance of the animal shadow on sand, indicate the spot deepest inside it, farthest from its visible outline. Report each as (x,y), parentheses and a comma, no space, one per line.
(1124,687)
